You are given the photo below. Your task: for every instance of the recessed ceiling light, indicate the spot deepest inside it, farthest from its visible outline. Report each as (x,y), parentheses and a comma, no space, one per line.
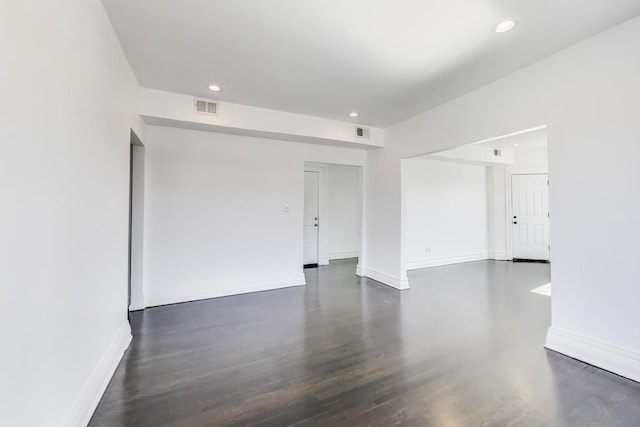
(506,25)
(354,114)
(214,88)
(516,145)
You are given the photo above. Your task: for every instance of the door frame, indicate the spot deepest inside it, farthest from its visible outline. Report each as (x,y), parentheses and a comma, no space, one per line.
(323,217)
(136,223)
(510,171)
(130,230)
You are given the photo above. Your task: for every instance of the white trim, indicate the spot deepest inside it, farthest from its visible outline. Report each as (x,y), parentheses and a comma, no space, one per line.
(343,255)
(619,360)
(385,279)
(85,404)
(499,255)
(440,261)
(179,294)
(136,307)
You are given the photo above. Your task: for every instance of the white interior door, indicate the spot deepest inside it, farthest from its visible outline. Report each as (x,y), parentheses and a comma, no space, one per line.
(530,221)
(311,217)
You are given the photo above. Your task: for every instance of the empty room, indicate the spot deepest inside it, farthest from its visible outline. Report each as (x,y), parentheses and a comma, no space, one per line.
(355,213)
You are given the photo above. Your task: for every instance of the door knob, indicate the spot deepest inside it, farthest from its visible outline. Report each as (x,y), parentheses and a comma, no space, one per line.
(515,222)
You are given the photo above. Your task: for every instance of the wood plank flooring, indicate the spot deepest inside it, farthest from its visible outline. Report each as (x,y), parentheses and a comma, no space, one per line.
(463,347)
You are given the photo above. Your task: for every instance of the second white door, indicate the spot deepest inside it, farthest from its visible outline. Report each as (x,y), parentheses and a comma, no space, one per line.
(530,220)
(311,217)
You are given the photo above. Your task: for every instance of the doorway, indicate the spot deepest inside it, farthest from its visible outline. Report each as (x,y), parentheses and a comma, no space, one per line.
(486,200)
(130,225)
(136,223)
(530,217)
(333,214)
(311,218)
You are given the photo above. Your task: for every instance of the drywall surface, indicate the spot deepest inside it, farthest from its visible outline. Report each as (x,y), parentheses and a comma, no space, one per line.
(589,98)
(531,157)
(66,101)
(177,110)
(223,213)
(446,212)
(345,211)
(479,154)
(497,221)
(137,229)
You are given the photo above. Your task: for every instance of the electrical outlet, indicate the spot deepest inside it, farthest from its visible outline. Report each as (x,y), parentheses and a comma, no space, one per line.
(427,250)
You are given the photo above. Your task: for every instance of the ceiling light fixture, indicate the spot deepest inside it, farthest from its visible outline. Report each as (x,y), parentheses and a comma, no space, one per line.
(516,145)
(214,88)
(353,115)
(506,25)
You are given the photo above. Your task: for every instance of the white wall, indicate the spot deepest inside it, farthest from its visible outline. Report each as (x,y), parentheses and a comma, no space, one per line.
(176,110)
(533,157)
(345,211)
(137,229)
(497,219)
(64,187)
(589,98)
(215,222)
(478,154)
(446,212)
(64,176)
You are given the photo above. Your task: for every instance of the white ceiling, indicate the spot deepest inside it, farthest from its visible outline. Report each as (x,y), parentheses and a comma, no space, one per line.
(386,59)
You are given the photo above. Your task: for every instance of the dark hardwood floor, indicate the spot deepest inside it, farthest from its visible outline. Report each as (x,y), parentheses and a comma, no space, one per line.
(463,347)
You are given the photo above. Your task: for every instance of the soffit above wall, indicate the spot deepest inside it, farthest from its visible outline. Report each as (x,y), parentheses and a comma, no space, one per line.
(387,60)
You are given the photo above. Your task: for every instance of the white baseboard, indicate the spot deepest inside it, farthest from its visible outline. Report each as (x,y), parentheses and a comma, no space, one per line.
(343,255)
(440,261)
(215,290)
(323,261)
(619,360)
(359,270)
(498,256)
(80,412)
(385,279)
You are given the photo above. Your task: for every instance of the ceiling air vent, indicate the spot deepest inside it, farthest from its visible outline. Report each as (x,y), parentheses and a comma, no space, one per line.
(206,106)
(362,133)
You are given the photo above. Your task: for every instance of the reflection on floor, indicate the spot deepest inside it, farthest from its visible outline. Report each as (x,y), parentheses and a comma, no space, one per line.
(463,347)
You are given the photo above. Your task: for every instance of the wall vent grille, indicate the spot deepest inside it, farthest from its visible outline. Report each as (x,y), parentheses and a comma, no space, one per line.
(206,106)
(362,132)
